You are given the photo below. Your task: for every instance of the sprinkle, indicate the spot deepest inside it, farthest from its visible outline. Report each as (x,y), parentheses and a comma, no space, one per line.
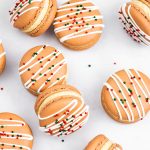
(89,65)
(62,140)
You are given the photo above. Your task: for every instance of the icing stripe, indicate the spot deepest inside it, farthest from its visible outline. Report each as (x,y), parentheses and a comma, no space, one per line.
(40,88)
(136,102)
(14,135)
(2,54)
(71,106)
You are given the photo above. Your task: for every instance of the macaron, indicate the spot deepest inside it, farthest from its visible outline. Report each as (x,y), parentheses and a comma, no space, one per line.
(42,67)
(101,142)
(33,16)
(126,95)
(78,24)
(61,110)
(2,58)
(135,17)
(15,133)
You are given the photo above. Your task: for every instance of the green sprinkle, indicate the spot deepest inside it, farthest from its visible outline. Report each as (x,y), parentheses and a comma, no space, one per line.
(40,61)
(78,9)
(76,13)
(56,122)
(40,74)
(129,90)
(30,1)
(87,24)
(58,78)
(124,82)
(81,5)
(53,65)
(115,99)
(139,96)
(119,91)
(76,22)
(18,12)
(49,68)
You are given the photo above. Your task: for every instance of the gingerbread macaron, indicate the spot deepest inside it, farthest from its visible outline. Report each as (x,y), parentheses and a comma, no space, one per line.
(135,17)
(42,67)
(33,16)
(2,57)
(101,142)
(78,24)
(61,110)
(126,96)
(15,133)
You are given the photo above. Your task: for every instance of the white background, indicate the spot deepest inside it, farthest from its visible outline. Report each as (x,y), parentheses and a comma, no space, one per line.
(114,46)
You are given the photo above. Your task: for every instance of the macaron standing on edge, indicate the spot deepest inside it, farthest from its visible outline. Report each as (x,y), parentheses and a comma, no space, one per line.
(101,142)
(135,17)
(126,96)
(15,133)
(2,57)
(61,110)
(78,24)
(42,67)
(33,16)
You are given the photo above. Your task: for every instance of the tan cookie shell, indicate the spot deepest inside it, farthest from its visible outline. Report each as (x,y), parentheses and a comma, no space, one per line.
(2,58)
(141,16)
(57,73)
(26,20)
(54,101)
(84,42)
(12,139)
(101,142)
(131,87)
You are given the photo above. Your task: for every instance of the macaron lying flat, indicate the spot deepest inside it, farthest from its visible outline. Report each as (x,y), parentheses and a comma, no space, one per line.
(14,133)
(42,67)
(126,96)
(78,24)
(61,110)
(33,16)
(101,142)
(135,16)
(2,58)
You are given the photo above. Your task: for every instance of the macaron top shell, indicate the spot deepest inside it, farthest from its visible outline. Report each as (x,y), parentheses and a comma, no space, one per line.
(2,58)
(61,110)
(77,23)
(42,67)
(33,16)
(14,132)
(135,16)
(101,142)
(126,94)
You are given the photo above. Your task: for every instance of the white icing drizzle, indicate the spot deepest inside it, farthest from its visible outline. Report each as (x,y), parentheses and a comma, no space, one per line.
(135,30)
(14,15)
(81,27)
(57,67)
(38,71)
(2,54)
(56,71)
(8,135)
(80,113)
(116,95)
(134,82)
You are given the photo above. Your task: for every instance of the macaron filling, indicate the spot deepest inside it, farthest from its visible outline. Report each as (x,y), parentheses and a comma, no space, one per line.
(40,17)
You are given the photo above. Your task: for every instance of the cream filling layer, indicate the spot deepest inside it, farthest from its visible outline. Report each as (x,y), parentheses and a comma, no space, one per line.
(107,145)
(40,17)
(143,6)
(50,98)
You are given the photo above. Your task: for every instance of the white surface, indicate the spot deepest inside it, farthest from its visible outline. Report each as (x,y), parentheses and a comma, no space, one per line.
(115,46)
